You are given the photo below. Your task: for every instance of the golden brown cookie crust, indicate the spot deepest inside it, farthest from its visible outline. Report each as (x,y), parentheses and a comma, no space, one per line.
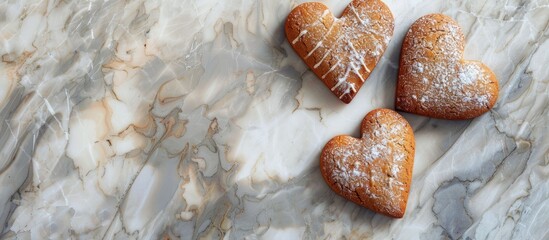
(433,78)
(341,52)
(374,171)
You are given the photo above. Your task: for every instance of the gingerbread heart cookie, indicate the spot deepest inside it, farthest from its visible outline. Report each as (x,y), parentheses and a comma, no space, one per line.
(374,171)
(433,78)
(341,52)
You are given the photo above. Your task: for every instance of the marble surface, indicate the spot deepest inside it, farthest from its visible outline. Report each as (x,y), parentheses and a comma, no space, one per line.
(196,119)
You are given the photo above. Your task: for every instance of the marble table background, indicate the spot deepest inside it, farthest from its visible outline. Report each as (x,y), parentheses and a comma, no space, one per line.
(195,119)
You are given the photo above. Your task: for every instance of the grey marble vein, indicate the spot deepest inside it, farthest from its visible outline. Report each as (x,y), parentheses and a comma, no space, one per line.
(195,119)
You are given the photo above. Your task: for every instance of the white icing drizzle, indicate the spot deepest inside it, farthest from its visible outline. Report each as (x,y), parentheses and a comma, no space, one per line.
(314,49)
(361,59)
(325,13)
(357,16)
(301,34)
(355,71)
(355,27)
(343,94)
(331,69)
(322,59)
(352,87)
(339,82)
(343,80)
(305,31)
(320,42)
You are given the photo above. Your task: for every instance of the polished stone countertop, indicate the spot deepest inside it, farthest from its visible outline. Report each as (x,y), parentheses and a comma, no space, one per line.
(196,119)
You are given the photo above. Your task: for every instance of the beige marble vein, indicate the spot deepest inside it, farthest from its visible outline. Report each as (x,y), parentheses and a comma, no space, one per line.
(196,119)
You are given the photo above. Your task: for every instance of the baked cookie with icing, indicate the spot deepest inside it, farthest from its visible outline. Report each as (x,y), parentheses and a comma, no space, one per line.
(375,170)
(342,52)
(433,78)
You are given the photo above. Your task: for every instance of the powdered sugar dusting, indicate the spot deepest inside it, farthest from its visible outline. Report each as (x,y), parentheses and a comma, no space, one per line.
(438,78)
(468,74)
(417,67)
(377,157)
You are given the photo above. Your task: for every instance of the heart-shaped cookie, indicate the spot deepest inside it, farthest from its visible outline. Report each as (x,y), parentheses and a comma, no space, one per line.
(433,78)
(341,52)
(374,171)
